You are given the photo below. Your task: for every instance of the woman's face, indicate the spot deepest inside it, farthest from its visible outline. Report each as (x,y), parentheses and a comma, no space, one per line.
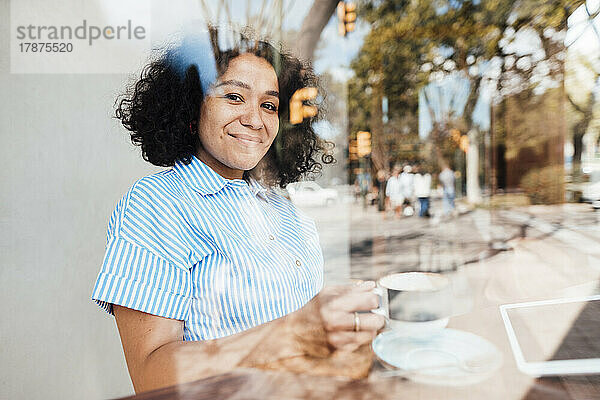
(239,117)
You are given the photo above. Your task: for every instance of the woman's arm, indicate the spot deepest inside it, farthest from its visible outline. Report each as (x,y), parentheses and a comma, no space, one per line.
(157,356)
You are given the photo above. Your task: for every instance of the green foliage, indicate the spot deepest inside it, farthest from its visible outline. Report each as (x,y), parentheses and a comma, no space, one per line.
(411,40)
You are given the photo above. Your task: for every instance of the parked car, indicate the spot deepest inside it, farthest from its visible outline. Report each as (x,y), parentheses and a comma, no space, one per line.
(309,193)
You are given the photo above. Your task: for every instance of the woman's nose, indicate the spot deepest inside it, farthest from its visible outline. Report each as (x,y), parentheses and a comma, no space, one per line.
(251,117)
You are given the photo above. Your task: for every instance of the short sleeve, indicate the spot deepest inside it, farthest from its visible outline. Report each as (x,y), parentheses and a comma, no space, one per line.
(134,277)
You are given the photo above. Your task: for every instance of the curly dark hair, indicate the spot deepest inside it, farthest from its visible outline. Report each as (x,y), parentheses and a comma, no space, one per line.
(163,106)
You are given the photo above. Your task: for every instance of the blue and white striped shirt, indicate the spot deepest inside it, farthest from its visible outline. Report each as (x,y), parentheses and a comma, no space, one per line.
(221,255)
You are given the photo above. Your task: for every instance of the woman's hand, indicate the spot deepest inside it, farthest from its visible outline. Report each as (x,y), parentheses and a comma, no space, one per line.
(338,305)
(157,356)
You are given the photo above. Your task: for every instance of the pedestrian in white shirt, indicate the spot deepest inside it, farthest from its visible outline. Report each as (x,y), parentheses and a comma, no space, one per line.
(423,191)
(393,191)
(407,187)
(448,182)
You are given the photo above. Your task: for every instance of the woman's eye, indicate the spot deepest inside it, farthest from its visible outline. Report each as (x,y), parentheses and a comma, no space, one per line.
(234,97)
(270,106)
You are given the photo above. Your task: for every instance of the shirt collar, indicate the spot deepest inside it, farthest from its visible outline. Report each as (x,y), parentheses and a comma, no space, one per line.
(205,181)
(257,189)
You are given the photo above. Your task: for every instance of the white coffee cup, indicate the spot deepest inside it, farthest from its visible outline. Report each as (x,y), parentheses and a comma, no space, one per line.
(414,303)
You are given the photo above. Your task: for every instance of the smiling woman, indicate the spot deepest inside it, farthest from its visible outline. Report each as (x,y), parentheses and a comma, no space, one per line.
(239,118)
(206,255)
(163,109)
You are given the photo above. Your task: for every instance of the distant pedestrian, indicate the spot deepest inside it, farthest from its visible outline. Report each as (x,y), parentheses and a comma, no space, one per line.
(447,180)
(423,191)
(407,187)
(356,190)
(393,191)
(381,184)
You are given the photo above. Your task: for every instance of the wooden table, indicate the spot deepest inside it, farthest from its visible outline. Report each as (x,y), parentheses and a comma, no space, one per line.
(256,384)
(480,288)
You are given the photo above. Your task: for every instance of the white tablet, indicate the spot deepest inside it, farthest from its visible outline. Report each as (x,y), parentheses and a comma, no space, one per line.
(555,337)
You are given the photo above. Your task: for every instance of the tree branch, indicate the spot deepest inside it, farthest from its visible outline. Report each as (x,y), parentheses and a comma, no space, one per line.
(312,26)
(575,106)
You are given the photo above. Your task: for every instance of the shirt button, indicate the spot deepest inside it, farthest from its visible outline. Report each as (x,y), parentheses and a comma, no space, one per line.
(271,237)
(298,263)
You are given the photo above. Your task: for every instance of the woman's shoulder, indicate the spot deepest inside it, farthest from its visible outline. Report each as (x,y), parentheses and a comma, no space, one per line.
(160,187)
(158,181)
(152,214)
(149,196)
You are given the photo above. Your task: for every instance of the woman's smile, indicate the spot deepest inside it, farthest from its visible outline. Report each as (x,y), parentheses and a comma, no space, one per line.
(251,140)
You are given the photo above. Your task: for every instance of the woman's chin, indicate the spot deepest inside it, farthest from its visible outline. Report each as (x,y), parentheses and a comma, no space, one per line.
(247,161)
(245,165)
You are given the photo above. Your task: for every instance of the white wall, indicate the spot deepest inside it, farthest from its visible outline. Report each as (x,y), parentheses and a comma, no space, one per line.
(65,165)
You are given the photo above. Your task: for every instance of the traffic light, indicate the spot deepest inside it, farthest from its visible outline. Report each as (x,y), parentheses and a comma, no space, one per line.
(346,17)
(353,150)
(363,141)
(460,139)
(298,110)
(463,144)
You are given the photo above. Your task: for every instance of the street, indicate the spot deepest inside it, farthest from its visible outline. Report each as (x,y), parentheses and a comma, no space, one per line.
(562,239)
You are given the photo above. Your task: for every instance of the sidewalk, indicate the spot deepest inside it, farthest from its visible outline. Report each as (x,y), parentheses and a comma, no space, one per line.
(576,225)
(360,244)
(381,246)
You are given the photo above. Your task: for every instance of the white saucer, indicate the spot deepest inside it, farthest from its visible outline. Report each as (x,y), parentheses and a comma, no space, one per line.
(449,357)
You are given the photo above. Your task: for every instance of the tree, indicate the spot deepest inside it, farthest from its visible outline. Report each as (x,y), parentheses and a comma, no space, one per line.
(386,66)
(582,76)
(312,26)
(475,38)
